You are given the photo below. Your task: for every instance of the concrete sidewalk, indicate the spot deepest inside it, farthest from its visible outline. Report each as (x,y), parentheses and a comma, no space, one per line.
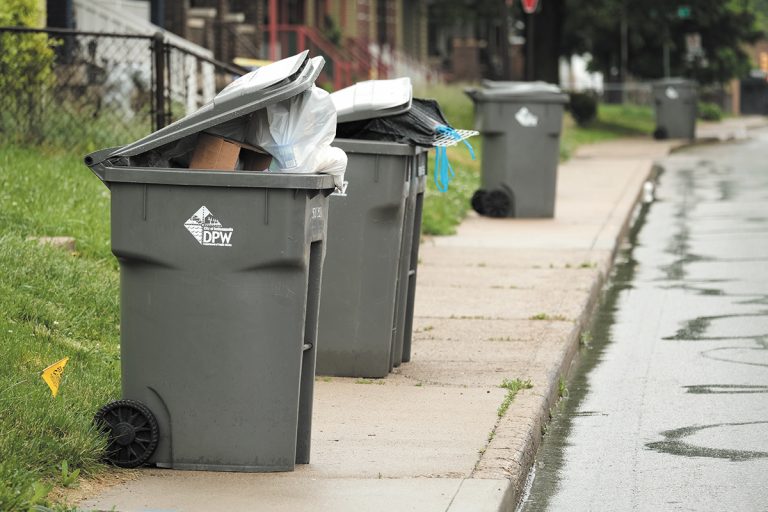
(502,299)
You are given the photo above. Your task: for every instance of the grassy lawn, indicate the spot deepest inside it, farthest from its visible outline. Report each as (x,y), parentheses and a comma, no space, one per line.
(54,304)
(613,122)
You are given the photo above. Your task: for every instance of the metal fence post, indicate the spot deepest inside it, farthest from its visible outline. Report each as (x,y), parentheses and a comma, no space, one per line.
(158,49)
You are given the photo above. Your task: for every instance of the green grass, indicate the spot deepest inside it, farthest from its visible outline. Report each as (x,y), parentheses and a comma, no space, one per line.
(548,317)
(54,194)
(83,128)
(53,304)
(444,211)
(512,387)
(613,122)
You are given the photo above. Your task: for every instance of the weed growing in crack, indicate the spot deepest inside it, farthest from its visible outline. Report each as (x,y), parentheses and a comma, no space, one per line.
(512,387)
(585,339)
(545,316)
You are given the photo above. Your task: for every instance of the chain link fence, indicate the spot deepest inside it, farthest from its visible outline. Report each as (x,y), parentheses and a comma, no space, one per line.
(88,90)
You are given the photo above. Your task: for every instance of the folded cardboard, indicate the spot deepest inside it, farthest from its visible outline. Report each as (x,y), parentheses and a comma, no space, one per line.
(217,153)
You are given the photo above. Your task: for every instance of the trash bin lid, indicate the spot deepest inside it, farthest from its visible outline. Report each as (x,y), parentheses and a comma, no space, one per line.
(183,177)
(526,91)
(674,82)
(373,98)
(378,147)
(256,90)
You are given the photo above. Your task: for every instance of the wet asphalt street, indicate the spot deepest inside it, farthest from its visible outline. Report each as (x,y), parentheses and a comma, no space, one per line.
(669,407)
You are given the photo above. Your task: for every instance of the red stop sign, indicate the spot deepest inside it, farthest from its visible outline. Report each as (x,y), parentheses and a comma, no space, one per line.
(530,6)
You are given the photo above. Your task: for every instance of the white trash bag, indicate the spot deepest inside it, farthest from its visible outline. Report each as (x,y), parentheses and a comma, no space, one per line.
(298,132)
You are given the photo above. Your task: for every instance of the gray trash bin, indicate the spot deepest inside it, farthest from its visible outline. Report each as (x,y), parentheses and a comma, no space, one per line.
(220,278)
(409,259)
(364,303)
(675,102)
(520,123)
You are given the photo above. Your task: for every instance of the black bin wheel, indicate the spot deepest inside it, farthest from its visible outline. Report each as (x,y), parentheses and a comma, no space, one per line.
(132,431)
(477,201)
(497,203)
(660,134)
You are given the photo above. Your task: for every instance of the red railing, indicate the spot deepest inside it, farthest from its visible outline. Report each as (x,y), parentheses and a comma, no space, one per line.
(345,65)
(374,67)
(297,38)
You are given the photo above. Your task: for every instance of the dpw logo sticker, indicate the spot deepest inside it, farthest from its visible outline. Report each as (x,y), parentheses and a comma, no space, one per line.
(207,229)
(672,93)
(526,118)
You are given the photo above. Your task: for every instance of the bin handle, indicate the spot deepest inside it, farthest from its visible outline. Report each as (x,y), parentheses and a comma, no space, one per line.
(95,162)
(444,172)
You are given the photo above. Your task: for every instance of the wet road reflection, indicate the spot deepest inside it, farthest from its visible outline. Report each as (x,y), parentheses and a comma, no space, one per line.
(675,442)
(669,407)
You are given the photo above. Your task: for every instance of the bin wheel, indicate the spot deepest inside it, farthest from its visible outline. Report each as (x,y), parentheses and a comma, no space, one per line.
(477,201)
(660,134)
(497,203)
(132,431)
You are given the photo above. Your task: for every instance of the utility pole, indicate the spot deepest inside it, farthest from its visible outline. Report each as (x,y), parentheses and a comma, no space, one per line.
(221,50)
(529,53)
(530,7)
(624,52)
(506,71)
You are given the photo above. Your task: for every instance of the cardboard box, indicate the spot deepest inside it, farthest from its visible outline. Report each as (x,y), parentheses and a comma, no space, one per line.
(254,160)
(216,153)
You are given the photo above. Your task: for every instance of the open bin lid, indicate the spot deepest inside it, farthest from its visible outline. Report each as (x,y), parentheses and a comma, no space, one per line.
(378,147)
(521,91)
(373,98)
(183,177)
(256,90)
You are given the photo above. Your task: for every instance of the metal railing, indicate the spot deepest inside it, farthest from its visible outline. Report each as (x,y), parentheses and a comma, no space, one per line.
(88,90)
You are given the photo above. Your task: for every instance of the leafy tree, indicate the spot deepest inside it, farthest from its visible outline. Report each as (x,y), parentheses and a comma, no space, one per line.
(594,26)
(26,66)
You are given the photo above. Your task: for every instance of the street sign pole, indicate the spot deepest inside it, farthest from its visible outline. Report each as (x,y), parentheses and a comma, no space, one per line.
(530,7)
(529,55)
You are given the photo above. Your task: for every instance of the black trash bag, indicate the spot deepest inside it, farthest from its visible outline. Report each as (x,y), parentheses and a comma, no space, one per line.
(418,126)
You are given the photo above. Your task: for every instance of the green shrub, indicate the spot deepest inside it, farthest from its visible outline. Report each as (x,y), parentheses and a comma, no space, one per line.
(710,111)
(583,107)
(26,64)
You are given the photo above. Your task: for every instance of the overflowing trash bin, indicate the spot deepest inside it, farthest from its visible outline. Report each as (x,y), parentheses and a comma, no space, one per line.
(409,261)
(374,228)
(675,103)
(219,223)
(520,123)
(369,242)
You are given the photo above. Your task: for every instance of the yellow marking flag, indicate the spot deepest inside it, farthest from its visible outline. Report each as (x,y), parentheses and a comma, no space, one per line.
(52,375)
